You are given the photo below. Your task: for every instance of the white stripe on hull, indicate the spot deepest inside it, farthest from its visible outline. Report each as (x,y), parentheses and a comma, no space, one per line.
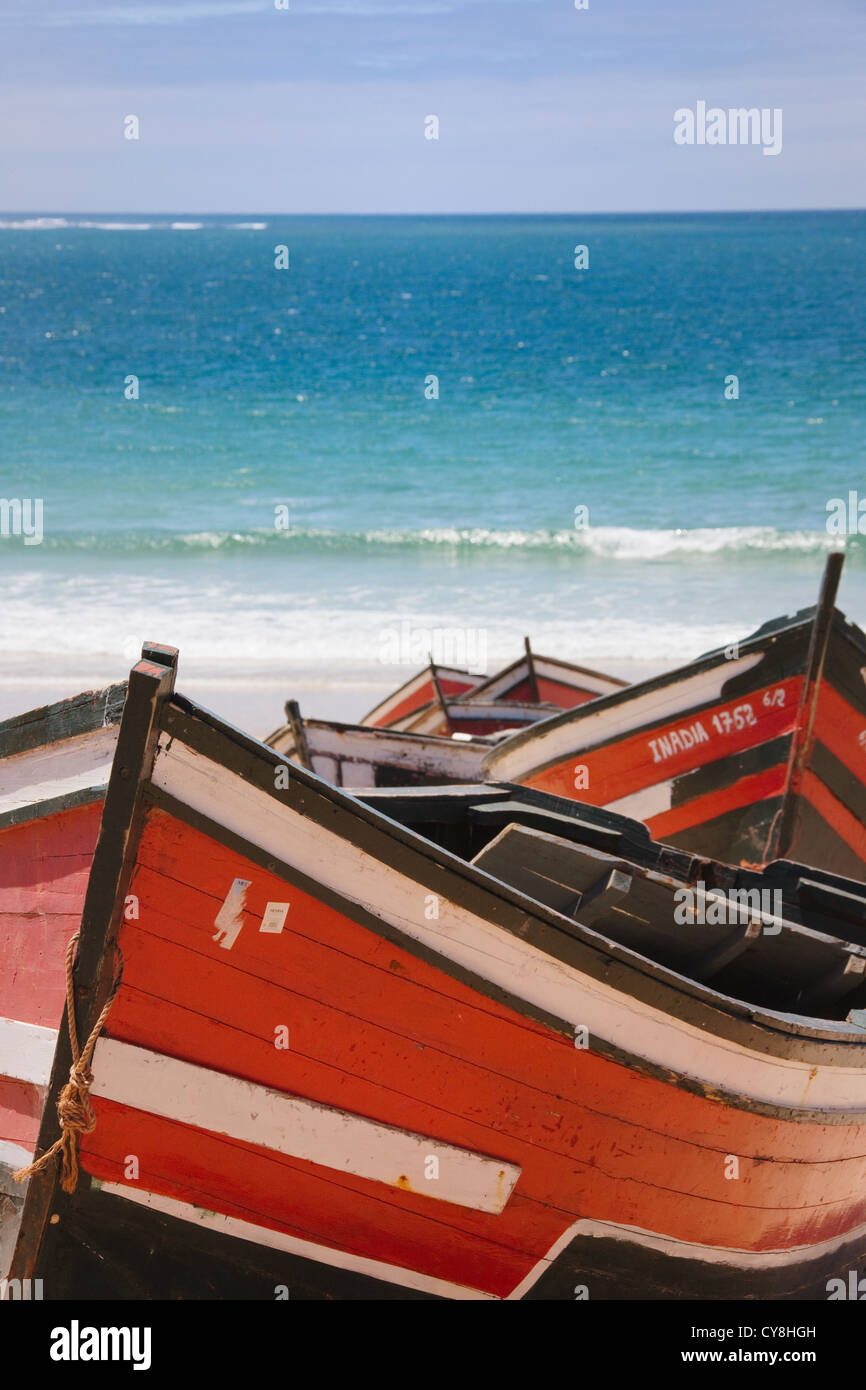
(26,1051)
(498,956)
(433,756)
(328,768)
(57,769)
(359,751)
(321,1134)
(13,1157)
(643,805)
(546,669)
(584,730)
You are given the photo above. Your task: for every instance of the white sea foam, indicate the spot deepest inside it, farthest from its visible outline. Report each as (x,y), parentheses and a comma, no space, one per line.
(53,224)
(116,226)
(328,630)
(611,544)
(35,224)
(48,224)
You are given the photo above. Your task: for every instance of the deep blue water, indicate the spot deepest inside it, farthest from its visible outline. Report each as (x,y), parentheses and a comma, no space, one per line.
(305,388)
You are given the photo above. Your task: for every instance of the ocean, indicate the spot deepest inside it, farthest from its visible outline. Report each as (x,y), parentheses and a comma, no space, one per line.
(422,429)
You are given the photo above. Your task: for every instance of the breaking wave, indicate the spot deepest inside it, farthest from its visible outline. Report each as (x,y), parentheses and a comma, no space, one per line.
(609,543)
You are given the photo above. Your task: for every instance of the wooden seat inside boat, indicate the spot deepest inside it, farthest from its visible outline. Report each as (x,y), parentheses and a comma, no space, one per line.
(740,941)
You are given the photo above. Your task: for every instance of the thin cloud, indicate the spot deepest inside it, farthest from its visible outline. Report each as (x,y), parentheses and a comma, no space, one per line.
(139,15)
(196,10)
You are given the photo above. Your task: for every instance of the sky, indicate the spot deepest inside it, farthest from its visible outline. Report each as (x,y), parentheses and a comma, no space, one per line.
(321,108)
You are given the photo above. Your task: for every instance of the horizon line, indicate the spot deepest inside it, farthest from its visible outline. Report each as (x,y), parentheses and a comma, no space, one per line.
(636,212)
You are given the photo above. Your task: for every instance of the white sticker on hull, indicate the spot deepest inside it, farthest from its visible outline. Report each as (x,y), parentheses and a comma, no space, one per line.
(274,918)
(230,918)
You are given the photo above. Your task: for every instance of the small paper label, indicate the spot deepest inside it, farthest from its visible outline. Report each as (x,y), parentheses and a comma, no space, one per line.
(274,917)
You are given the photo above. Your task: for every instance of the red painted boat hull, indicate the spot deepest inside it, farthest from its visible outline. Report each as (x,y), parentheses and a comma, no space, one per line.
(316,1004)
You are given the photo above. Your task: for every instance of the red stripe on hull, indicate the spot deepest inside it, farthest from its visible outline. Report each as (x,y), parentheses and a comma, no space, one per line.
(422,696)
(550,692)
(637,761)
(840,727)
(748,791)
(20,1112)
(848,827)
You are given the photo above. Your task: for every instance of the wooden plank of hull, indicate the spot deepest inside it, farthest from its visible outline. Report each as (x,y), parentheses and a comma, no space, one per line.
(702,755)
(352,755)
(455,1023)
(44,866)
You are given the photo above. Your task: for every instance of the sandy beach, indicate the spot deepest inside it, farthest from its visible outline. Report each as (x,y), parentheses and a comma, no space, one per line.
(253,701)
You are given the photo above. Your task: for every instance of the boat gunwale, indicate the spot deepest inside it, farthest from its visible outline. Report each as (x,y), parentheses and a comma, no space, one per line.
(84,713)
(375,731)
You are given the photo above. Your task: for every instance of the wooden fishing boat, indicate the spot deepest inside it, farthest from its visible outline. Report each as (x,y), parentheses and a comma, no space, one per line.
(529,689)
(357,755)
(329,1057)
(54,769)
(536,679)
(752,753)
(419,692)
(436,741)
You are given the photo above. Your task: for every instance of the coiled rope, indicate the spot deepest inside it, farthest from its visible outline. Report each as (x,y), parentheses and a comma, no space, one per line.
(74,1109)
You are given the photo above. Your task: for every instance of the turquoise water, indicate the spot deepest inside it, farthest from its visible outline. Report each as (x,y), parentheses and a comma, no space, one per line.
(304,389)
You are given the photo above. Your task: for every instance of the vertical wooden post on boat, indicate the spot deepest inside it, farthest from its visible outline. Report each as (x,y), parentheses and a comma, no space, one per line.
(803,731)
(299,733)
(150,684)
(434,675)
(160,655)
(530,667)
